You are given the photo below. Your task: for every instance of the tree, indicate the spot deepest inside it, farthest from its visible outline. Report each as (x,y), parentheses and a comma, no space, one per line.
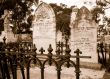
(62,18)
(102,5)
(20,10)
(95,12)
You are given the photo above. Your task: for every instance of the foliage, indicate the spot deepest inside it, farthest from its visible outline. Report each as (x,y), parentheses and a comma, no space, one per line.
(10,5)
(100,9)
(20,9)
(62,18)
(103,27)
(95,12)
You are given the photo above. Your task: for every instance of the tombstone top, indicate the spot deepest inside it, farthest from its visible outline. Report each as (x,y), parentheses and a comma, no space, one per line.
(84,17)
(44,11)
(84,13)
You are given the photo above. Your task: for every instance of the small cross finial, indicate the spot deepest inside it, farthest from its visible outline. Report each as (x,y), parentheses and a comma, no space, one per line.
(4,39)
(78,51)
(50,48)
(58,44)
(41,50)
(34,48)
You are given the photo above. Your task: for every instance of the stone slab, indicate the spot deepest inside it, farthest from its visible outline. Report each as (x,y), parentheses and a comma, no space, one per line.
(44,27)
(84,35)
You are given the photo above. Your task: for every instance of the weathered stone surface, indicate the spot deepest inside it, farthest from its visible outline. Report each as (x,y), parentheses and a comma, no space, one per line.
(44,27)
(84,34)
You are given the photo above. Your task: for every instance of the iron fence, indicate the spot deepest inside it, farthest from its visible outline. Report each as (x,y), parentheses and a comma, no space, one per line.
(103,50)
(23,55)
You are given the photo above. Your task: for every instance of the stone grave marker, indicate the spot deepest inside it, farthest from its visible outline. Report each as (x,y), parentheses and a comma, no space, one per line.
(44,27)
(84,35)
(8,33)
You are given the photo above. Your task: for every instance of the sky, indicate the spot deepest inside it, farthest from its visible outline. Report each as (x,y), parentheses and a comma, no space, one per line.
(79,3)
(69,3)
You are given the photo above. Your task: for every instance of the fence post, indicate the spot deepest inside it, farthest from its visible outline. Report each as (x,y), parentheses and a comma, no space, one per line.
(78,63)
(58,73)
(68,55)
(50,55)
(42,72)
(28,74)
(28,67)
(34,51)
(14,67)
(2,69)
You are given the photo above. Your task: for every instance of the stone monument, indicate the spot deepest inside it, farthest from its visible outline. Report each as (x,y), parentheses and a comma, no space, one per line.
(44,27)
(84,35)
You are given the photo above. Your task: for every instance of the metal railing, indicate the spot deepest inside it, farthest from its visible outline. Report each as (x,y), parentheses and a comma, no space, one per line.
(23,56)
(103,50)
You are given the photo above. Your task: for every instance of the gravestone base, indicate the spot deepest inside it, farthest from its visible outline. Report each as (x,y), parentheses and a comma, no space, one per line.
(90,65)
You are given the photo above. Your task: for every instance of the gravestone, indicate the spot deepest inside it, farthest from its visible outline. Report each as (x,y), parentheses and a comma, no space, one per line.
(84,34)
(44,27)
(10,36)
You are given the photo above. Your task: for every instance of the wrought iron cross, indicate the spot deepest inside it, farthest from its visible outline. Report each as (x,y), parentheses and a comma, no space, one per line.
(42,50)
(78,52)
(60,46)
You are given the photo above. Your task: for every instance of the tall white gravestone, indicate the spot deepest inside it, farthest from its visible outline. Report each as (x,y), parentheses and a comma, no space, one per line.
(44,27)
(84,34)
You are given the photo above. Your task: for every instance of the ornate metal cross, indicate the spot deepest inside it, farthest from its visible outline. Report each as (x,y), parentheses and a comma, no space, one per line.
(78,52)
(42,50)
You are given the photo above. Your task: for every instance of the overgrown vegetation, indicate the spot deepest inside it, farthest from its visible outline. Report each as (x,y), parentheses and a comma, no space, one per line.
(20,14)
